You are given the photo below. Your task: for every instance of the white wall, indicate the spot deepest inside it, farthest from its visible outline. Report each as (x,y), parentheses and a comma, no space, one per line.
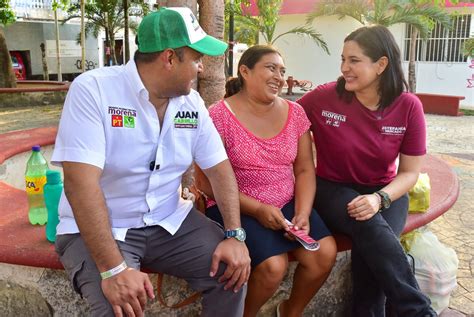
(305,60)
(445,78)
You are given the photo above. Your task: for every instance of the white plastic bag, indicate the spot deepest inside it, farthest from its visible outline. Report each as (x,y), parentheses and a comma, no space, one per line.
(436,267)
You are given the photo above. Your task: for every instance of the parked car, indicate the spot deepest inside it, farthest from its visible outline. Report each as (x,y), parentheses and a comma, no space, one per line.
(18,65)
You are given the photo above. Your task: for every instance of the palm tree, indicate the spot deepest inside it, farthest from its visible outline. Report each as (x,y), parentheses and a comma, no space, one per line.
(421,15)
(126,44)
(469,47)
(7,76)
(109,16)
(242,32)
(83,36)
(266,21)
(62,4)
(212,79)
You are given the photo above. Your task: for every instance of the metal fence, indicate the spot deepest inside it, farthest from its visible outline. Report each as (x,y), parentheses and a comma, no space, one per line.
(443,45)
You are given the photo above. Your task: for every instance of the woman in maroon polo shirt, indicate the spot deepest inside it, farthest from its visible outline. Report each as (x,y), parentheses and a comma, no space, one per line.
(362,125)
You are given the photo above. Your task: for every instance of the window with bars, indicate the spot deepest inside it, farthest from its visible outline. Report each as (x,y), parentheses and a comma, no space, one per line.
(443,45)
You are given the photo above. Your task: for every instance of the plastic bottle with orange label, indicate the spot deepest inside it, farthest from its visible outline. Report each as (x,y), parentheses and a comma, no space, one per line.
(35,178)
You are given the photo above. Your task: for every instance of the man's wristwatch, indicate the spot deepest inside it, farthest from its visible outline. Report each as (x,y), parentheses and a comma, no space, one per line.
(385,200)
(238,233)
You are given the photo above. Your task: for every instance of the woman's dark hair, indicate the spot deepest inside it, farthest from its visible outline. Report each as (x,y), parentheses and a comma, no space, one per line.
(250,57)
(377,41)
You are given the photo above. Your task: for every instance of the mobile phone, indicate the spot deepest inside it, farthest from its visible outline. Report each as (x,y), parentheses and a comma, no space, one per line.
(305,240)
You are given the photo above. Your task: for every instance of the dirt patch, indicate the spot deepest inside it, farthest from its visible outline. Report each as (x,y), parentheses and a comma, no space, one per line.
(21,118)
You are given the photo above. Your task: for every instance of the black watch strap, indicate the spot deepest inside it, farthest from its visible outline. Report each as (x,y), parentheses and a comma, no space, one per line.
(384,199)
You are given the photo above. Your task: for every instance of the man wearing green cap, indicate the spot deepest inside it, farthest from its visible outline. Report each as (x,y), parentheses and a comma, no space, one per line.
(126,136)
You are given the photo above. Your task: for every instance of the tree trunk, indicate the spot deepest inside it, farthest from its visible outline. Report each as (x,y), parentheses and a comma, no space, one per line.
(112,49)
(126,46)
(7,76)
(212,79)
(83,37)
(179,3)
(107,47)
(45,62)
(411,61)
(58,51)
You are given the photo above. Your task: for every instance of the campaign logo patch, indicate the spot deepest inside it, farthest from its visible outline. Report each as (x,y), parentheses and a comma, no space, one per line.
(186,120)
(122,117)
(333,119)
(128,122)
(117,121)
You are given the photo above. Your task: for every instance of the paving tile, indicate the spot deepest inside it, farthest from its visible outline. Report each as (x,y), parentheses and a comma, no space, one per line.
(462,304)
(453,139)
(467,283)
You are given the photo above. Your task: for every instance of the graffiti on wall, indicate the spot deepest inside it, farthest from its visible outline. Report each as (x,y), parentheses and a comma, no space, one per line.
(88,64)
(470,81)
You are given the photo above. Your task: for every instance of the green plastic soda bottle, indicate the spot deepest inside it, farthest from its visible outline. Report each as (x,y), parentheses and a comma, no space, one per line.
(35,178)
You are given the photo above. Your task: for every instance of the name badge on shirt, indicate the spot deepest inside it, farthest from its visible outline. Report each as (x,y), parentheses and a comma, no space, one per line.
(122,117)
(389,130)
(186,120)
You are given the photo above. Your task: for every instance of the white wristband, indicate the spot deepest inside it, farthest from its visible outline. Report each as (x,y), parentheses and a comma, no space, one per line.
(114,271)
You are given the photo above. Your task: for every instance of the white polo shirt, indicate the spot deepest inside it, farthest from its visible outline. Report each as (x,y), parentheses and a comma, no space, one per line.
(108,122)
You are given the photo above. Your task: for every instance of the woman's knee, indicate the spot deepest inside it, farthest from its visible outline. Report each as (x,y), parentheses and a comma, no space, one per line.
(320,261)
(327,253)
(272,270)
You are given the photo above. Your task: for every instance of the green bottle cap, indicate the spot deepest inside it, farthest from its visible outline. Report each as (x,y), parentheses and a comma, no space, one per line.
(53,177)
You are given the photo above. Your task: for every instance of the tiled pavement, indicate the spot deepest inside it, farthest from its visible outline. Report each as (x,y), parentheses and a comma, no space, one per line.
(451,138)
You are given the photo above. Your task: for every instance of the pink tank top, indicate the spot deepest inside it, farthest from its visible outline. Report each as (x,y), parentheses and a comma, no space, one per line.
(263,167)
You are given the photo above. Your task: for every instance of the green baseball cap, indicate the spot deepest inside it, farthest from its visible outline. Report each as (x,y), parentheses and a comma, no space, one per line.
(174,28)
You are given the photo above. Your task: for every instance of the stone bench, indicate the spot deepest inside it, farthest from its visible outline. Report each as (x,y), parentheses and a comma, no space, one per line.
(23,247)
(441,104)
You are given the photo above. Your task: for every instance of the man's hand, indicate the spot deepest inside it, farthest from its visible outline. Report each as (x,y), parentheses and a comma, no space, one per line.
(127,292)
(236,255)
(363,207)
(271,217)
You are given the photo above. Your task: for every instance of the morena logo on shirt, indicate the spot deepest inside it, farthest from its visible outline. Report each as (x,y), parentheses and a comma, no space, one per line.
(333,119)
(186,120)
(122,117)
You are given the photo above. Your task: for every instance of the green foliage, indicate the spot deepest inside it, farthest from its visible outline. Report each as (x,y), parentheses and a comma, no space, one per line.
(467,112)
(243,32)
(61,4)
(421,14)
(107,14)
(248,27)
(469,47)
(7,16)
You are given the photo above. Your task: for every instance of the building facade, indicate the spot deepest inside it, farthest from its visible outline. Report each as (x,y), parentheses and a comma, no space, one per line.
(34,27)
(441,67)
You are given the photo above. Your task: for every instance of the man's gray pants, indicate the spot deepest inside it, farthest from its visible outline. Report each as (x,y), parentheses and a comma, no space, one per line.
(187,255)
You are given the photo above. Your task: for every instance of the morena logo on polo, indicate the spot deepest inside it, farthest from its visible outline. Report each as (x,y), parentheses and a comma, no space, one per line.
(122,117)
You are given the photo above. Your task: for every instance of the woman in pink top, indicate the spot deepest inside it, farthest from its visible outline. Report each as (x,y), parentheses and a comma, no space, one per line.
(269,146)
